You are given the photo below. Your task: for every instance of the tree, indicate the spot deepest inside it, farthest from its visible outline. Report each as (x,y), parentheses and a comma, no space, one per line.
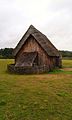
(6,53)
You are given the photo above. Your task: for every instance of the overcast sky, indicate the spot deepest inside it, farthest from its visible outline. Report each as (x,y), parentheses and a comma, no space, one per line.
(51,17)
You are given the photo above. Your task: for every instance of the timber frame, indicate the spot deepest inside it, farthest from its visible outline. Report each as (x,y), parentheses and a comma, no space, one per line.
(35,54)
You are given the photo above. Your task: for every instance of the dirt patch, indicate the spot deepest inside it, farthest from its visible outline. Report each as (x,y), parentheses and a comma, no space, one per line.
(67,69)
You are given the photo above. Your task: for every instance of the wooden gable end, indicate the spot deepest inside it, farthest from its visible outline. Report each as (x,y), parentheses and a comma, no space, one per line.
(31,45)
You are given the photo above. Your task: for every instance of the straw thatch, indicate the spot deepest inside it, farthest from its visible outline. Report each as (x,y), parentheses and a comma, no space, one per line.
(43,41)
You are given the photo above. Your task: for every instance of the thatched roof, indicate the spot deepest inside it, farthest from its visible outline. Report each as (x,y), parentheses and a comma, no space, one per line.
(43,41)
(26,59)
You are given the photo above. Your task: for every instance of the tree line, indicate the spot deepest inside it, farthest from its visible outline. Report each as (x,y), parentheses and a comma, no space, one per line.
(66,53)
(6,53)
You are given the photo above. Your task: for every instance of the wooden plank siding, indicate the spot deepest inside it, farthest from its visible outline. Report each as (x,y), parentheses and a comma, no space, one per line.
(31,45)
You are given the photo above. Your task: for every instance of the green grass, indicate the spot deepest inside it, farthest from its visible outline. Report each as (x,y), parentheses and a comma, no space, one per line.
(58,71)
(67,63)
(36,97)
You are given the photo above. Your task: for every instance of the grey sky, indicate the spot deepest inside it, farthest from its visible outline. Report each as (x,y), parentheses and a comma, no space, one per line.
(52,17)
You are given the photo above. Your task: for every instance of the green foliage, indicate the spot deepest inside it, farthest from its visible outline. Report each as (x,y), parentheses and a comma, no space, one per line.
(6,53)
(66,53)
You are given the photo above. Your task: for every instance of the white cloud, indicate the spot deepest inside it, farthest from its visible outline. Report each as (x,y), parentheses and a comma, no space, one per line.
(52,17)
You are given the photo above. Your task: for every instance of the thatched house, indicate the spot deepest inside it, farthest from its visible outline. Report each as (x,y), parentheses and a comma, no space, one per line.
(35,54)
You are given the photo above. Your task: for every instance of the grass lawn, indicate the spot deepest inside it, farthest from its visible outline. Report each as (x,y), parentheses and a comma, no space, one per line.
(36,97)
(67,63)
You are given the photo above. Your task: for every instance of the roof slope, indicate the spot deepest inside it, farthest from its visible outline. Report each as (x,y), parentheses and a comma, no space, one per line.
(26,59)
(44,42)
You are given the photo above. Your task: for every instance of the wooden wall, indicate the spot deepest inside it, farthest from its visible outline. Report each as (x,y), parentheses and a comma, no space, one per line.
(31,45)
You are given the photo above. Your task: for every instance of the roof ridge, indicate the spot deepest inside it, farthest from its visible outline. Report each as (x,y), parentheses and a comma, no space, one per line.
(41,38)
